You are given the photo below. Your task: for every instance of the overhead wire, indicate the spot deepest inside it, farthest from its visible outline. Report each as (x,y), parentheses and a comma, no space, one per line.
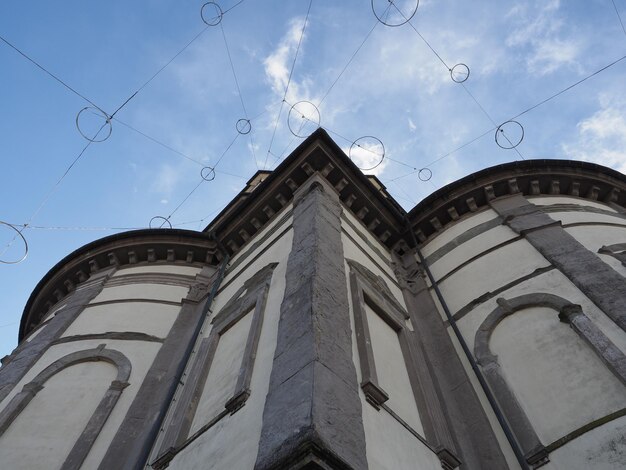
(245,112)
(467,91)
(293,64)
(619,17)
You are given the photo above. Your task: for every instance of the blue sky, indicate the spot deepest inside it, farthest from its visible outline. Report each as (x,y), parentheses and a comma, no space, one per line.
(395,89)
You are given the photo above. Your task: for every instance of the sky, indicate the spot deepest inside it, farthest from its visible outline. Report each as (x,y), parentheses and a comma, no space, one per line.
(282,68)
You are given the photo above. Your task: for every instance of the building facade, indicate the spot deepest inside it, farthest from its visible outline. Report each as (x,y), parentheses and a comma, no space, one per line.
(315,324)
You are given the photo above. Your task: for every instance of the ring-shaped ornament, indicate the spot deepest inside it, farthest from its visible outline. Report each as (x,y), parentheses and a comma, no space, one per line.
(23,239)
(500,130)
(391,4)
(310,119)
(158,217)
(207,173)
(355,144)
(462,72)
(107,124)
(215,20)
(243,126)
(425,174)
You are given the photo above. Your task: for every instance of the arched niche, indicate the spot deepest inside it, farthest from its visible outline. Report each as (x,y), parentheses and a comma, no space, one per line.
(535,451)
(85,441)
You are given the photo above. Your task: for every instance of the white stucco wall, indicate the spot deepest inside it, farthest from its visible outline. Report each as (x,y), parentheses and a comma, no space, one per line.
(44,433)
(142,291)
(216,445)
(559,381)
(158,268)
(455,229)
(391,370)
(489,272)
(567,218)
(144,317)
(140,354)
(603,448)
(389,445)
(579,201)
(473,247)
(222,378)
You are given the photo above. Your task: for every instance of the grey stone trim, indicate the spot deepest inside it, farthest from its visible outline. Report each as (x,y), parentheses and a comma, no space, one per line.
(135,435)
(578,208)
(259,241)
(460,409)
(598,281)
(313,406)
(136,248)
(127,301)
(84,443)
(28,352)
(256,257)
(118,335)
(477,257)
(251,296)
(610,354)
(534,451)
(367,288)
(370,257)
(360,233)
(463,238)
(151,278)
(585,429)
(617,251)
(490,295)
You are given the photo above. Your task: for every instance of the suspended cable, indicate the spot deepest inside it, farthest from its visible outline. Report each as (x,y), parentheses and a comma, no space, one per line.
(619,16)
(293,64)
(37,64)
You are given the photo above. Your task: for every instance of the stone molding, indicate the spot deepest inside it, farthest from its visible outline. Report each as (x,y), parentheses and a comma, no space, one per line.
(617,251)
(528,178)
(534,450)
(83,444)
(134,248)
(135,436)
(604,286)
(313,410)
(252,296)
(31,349)
(368,289)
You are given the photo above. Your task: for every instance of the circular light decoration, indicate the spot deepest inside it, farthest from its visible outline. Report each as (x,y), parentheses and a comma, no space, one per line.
(243,126)
(94,124)
(459,73)
(303,119)
(211,14)
(367,152)
(207,173)
(509,135)
(390,14)
(16,235)
(425,174)
(155,219)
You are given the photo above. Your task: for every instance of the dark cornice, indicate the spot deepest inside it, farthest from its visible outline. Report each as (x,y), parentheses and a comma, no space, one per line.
(529,177)
(134,247)
(368,200)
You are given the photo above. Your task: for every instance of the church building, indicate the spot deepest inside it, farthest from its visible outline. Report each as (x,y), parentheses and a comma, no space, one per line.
(315,324)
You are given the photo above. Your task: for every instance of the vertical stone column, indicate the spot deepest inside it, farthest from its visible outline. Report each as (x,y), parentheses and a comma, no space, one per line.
(462,413)
(313,411)
(596,279)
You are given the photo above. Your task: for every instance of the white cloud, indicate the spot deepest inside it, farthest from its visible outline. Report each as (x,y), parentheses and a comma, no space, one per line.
(412,125)
(601,139)
(278,63)
(539,28)
(368,155)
